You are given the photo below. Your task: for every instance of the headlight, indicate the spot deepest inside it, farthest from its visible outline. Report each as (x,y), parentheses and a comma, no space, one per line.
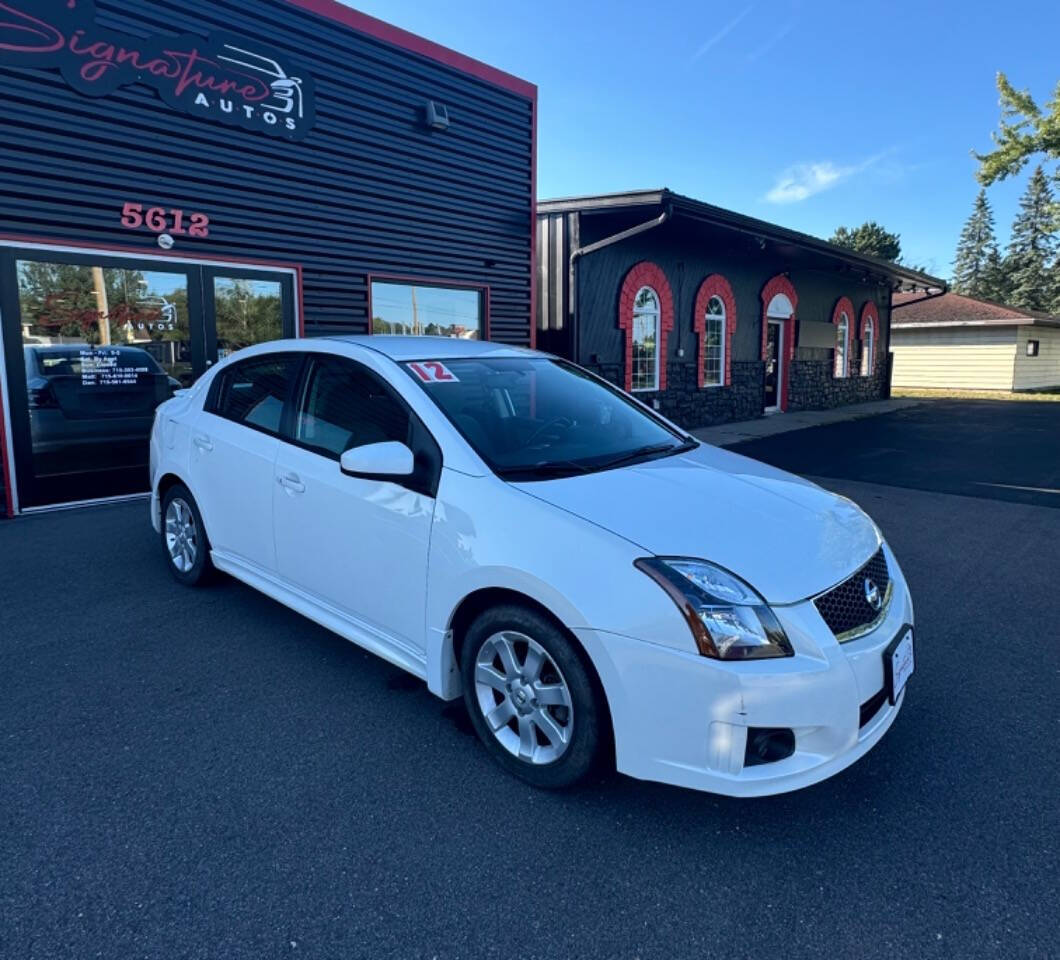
(728,619)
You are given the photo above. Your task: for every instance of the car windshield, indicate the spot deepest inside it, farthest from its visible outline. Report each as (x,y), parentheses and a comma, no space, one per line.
(533,418)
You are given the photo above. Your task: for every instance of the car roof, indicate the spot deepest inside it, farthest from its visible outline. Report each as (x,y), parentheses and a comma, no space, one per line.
(433,348)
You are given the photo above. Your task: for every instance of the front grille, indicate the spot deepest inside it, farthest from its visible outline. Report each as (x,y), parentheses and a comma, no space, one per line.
(846,608)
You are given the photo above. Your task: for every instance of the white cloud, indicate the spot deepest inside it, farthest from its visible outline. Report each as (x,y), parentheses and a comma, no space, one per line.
(721,34)
(803,180)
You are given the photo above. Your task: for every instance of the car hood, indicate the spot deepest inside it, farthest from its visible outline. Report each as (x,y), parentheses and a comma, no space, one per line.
(785,536)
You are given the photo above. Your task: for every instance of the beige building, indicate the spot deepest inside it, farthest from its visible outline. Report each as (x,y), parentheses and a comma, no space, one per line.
(959,343)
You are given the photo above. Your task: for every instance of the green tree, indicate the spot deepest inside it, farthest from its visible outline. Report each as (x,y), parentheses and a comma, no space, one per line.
(977,264)
(1031,251)
(870,238)
(248,311)
(1024,130)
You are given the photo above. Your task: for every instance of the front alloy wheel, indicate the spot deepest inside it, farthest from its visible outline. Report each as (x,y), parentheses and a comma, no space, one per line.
(524,697)
(531,695)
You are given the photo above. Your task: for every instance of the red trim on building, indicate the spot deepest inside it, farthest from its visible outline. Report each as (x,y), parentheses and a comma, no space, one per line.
(869,311)
(301,300)
(388,33)
(9,496)
(150,253)
(533,223)
(645,274)
(482,288)
(845,305)
(714,286)
(774,285)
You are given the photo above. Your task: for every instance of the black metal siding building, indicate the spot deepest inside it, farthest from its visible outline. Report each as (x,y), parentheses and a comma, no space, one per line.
(305,138)
(595,254)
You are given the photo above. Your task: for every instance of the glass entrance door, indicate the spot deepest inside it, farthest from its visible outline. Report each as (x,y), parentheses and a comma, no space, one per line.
(94,343)
(773,385)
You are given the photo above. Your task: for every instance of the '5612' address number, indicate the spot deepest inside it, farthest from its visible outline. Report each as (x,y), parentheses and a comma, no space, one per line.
(161,220)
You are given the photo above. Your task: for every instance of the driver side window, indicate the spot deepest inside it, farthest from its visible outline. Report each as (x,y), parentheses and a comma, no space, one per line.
(342,406)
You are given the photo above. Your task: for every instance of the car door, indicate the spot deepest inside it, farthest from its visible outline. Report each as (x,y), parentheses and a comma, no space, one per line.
(359,545)
(233,451)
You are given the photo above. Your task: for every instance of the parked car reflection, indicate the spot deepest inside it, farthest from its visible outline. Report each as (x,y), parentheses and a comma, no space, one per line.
(91,408)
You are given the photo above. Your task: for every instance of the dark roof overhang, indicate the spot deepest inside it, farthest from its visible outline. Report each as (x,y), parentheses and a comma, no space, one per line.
(791,244)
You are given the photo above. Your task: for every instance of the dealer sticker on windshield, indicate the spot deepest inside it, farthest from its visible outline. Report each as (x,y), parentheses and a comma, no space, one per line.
(431,371)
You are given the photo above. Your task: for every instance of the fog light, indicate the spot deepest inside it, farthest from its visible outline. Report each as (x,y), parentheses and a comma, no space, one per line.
(768,745)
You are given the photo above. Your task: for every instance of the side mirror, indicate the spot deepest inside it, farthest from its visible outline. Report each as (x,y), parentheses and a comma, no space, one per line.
(389,459)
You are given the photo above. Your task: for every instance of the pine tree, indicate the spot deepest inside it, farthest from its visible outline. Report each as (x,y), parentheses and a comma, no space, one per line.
(1032,247)
(976,252)
(996,281)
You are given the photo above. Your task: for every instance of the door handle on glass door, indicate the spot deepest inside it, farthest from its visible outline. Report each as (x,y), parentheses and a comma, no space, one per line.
(290,481)
(202,442)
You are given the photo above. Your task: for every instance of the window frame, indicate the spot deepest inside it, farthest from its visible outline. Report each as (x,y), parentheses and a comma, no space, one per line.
(483,290)
(842,327)
(868,347)
(842,319)
(708,319)
(213,395)
(657,313)
(425,448)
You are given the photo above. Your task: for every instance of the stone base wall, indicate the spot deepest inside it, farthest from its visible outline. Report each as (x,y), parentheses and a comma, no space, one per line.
(812,386)
(691,406)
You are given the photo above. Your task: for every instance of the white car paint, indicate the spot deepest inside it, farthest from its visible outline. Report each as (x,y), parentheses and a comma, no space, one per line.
(387,568)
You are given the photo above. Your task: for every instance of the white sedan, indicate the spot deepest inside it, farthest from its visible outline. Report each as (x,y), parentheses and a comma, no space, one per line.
(598,585)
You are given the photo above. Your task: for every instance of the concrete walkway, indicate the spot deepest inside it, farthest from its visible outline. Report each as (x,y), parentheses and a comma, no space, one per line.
(726,434)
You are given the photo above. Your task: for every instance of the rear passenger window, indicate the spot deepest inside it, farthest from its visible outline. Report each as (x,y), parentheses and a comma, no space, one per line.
(253,392)
(344,406)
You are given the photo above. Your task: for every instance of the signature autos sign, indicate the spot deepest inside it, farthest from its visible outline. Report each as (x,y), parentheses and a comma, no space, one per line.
(222,78)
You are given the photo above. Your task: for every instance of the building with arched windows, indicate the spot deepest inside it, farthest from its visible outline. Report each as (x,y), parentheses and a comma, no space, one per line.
(709,315)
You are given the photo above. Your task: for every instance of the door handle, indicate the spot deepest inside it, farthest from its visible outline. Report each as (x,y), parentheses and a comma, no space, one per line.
(290,481)
(202,441)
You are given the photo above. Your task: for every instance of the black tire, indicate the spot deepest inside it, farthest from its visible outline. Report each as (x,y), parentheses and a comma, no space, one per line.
(587,716)
(200,570)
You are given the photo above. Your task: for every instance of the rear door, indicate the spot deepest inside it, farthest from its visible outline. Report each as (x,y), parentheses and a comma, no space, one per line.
(233,451)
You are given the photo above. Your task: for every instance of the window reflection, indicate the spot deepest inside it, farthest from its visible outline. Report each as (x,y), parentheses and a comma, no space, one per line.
(248,312)
(401,308)
(102,347)
(75,303)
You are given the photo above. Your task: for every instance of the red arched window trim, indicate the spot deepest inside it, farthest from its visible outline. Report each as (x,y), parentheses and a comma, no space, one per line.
(870,312)
(645,274)
(775,285)
(844,305)
(715,286)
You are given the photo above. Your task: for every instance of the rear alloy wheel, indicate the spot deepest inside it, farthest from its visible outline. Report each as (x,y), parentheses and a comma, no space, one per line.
(531,699)
(183,537)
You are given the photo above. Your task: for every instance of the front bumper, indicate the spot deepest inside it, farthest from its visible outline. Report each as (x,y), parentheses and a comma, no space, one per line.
(683,719)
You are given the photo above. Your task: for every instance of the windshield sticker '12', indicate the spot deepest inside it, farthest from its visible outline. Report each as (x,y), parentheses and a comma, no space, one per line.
(431,371)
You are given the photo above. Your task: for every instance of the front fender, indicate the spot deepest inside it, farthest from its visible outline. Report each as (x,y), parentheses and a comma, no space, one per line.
(489,534)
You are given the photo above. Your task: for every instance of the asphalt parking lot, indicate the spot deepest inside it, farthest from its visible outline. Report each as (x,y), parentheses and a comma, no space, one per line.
(206,774)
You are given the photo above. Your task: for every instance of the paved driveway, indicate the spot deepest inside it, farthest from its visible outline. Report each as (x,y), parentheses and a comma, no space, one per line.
(999,449)
(206,774)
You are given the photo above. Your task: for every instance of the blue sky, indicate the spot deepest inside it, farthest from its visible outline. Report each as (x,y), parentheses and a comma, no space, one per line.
(808,114)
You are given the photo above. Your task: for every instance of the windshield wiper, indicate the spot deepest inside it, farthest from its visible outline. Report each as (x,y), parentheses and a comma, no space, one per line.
(647,451)
(546,468)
